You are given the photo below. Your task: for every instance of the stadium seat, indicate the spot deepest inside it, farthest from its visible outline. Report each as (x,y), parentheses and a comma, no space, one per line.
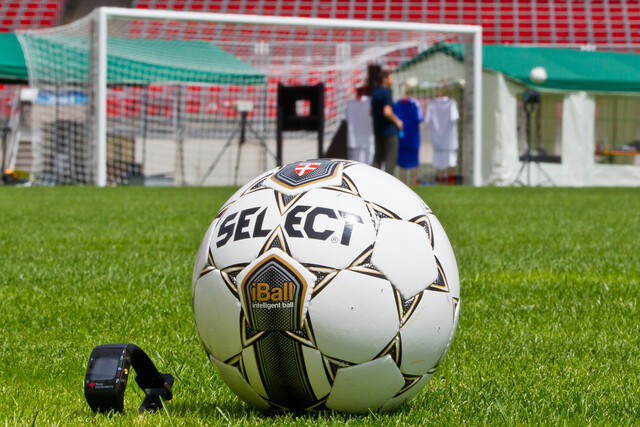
(519,21)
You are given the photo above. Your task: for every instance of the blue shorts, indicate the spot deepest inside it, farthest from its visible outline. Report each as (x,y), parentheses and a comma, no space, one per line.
(408,158)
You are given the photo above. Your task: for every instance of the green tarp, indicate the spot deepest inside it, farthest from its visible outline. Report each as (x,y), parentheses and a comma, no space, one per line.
(64,58)
(12,66)
(567,70)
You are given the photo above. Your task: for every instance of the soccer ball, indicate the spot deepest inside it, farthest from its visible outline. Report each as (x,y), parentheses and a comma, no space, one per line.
(538,75)
(325,285)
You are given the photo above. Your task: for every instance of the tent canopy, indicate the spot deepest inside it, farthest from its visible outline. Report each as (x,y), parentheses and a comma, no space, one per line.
(12,66)
(567,70)
(129,61)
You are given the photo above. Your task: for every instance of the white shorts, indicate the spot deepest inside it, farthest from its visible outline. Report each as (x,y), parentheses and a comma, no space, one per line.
(443,159)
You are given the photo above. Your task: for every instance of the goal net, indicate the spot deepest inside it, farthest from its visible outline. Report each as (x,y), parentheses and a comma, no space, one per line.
(179,98)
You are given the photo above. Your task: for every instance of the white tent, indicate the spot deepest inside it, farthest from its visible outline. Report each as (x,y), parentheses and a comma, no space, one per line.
(592,104)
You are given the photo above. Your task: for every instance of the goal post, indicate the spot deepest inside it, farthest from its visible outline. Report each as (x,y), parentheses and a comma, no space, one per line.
(185,118)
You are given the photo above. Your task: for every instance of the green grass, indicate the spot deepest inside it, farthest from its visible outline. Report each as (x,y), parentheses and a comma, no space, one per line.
(549,328)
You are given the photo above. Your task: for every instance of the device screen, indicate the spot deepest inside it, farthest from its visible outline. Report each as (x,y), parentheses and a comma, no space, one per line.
(104,368)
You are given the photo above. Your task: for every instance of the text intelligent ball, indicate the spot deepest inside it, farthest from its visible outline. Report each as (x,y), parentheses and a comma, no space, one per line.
(326,284)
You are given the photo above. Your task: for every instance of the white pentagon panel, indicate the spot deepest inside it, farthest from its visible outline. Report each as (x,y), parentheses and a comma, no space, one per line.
(233,379)
(444,252)
(407,394)
(242,230)
(354,317)
(316,372)
(385,190)
(217,315)
(366,386)
(328,228)
(403,254)
(425,335)
(252,371)
(203,254)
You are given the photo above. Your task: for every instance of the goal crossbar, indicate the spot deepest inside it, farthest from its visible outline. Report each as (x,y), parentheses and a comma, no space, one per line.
(293,21)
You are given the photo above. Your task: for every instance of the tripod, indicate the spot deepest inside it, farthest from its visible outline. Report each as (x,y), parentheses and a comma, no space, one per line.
(531,102)
(242,127)
(5,133)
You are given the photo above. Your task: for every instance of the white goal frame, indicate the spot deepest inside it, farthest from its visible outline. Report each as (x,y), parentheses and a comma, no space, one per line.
(102,14)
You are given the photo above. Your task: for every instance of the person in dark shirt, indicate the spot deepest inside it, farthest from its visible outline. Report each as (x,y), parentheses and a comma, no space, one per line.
(385,125)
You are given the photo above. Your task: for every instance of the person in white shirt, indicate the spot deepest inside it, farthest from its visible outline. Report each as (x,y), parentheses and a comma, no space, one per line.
(442,115)
(360,146)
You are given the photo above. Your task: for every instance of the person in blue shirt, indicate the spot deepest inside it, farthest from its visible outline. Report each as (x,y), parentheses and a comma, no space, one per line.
(386,125)
(409,111)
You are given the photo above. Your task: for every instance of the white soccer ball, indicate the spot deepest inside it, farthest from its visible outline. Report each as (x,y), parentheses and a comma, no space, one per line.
(411,82)
(538,75)
(326,284)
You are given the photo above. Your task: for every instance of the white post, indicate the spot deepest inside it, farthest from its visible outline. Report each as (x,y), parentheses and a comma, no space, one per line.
(290,21)
(477,108)
(100,101)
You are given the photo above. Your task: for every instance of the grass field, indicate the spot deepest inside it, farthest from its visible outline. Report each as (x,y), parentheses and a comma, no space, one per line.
(549,330)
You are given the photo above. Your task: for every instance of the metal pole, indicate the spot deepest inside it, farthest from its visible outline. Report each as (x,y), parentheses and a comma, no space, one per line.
(182,126)
(5,133)
(100,106)
(291,21)
(477,108)
(145,118)
(527,109)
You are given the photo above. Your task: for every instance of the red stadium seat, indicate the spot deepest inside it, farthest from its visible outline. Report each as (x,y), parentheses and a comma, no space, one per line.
(517,21)
(192,106)
(114,107)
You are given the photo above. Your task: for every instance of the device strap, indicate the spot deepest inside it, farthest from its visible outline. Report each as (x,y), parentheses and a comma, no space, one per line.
(156,385)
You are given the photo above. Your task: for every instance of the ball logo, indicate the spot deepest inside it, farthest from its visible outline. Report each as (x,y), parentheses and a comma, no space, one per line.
(280,295)
(309,173)
(273,293)
(304,168)
(300,222)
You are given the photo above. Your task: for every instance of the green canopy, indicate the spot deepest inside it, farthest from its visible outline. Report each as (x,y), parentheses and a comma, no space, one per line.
(66,59)
(567,70)
(12,66)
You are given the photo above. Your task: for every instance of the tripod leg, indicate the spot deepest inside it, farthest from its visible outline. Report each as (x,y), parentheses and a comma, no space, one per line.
(215,162)
(518,181)
(235,174)
(181,149)
(262,142)
(546,175)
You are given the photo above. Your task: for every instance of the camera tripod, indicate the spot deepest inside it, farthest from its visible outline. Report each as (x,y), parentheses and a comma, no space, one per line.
(531,100)
(242,129)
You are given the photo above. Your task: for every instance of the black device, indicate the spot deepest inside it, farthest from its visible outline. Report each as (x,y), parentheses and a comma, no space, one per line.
(108,373)
(288,118)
